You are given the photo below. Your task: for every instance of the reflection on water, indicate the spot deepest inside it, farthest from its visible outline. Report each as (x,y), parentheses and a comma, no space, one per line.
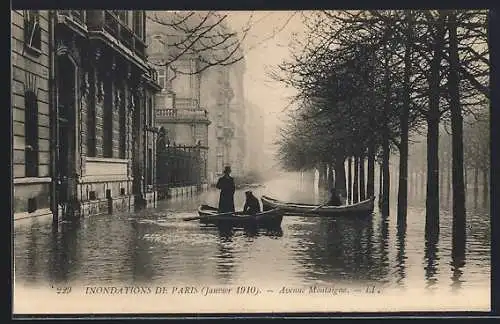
(431,259)
(159,246)
(400,256)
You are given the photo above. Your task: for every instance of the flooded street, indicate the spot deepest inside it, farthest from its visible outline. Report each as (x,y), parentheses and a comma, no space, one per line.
(158,246)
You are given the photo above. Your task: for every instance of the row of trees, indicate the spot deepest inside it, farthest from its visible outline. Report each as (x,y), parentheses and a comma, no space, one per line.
(476,161)
(368,80)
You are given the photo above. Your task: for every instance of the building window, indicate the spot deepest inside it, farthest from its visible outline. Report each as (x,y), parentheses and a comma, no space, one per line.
(123,129)
(139,23)
(79,15)
(122,15)
(108,120)
(193,133)
(32,30)
(150,112)
(31,133)
(149,180)
(91,123)
(162,77)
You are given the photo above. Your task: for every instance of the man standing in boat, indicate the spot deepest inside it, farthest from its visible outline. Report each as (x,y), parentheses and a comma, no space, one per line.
(252,205)
(226,186)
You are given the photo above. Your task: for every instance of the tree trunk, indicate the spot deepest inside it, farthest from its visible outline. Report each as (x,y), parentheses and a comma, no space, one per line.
(355,188)
(410,184)
(385,138)
(459,222)
(443,164)
(349,180)
(380,185)
(325,175)
(420,184)
(466,180)
(416,185)
(386,177)
(370,185)
(493,49)
(413,185)
(403,172)
(403,121)
(486,187)
(433,117)
(362,188)
(331,183)
(312,177)
(340,184)
(432,193)
(321,176)
(448,182)
(476,186)
(441,174)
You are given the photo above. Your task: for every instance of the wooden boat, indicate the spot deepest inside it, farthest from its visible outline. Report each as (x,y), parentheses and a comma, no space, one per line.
(268,219)
(364,207)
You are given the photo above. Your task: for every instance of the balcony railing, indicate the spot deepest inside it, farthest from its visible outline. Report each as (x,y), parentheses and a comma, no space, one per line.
(78,16)
(184,114)
(154,74)
(188,104)
(105,20)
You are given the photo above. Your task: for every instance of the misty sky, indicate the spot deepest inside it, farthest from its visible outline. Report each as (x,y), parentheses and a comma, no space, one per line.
(264,53)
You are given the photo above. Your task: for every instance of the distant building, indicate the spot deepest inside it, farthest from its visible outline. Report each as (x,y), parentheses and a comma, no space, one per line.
(83,101)
(206,107)
(256,153)
(178,108)
(222,94)
(238,116)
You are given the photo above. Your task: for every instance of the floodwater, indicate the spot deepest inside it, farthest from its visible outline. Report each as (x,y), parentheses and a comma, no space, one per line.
(156,246)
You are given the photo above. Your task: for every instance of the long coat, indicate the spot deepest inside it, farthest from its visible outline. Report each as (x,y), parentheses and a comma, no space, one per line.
(226,199)
(252,205)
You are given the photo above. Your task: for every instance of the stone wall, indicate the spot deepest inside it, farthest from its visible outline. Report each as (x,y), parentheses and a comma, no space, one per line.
(30,72)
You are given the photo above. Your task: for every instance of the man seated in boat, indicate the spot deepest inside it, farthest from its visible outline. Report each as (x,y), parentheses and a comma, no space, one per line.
(334,198)
(252,205)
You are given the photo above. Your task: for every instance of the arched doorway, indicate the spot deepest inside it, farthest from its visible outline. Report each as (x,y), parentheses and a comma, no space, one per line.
(66,72)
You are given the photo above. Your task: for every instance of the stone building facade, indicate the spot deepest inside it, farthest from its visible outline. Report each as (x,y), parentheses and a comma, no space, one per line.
(178,109)
(256,157)
(238,115)
(216,93)
(101,123)
(207,107)
(30,98)
(222,92)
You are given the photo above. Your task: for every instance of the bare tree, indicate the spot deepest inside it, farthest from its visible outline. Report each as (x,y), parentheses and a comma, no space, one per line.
(429,66)
(205,36)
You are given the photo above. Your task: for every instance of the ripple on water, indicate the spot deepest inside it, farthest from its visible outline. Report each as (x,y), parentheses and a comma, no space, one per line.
(158,245)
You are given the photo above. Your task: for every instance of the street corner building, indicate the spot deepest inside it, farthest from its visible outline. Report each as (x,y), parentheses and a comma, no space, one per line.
(182,120)
(200,111)
(82,107)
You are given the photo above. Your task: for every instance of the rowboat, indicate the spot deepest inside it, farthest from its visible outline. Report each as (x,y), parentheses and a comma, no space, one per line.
(364,207)
(268,219)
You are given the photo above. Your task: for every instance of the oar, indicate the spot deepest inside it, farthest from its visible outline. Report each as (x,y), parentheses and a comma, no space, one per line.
(316,208)
(307,213)
(200,217)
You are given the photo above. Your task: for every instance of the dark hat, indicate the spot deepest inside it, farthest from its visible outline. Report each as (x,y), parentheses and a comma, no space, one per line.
(227,169)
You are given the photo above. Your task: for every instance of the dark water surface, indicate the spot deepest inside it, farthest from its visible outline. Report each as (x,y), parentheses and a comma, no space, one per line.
(157,246)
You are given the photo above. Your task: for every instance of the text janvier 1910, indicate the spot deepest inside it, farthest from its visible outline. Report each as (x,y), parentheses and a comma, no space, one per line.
(237,290)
